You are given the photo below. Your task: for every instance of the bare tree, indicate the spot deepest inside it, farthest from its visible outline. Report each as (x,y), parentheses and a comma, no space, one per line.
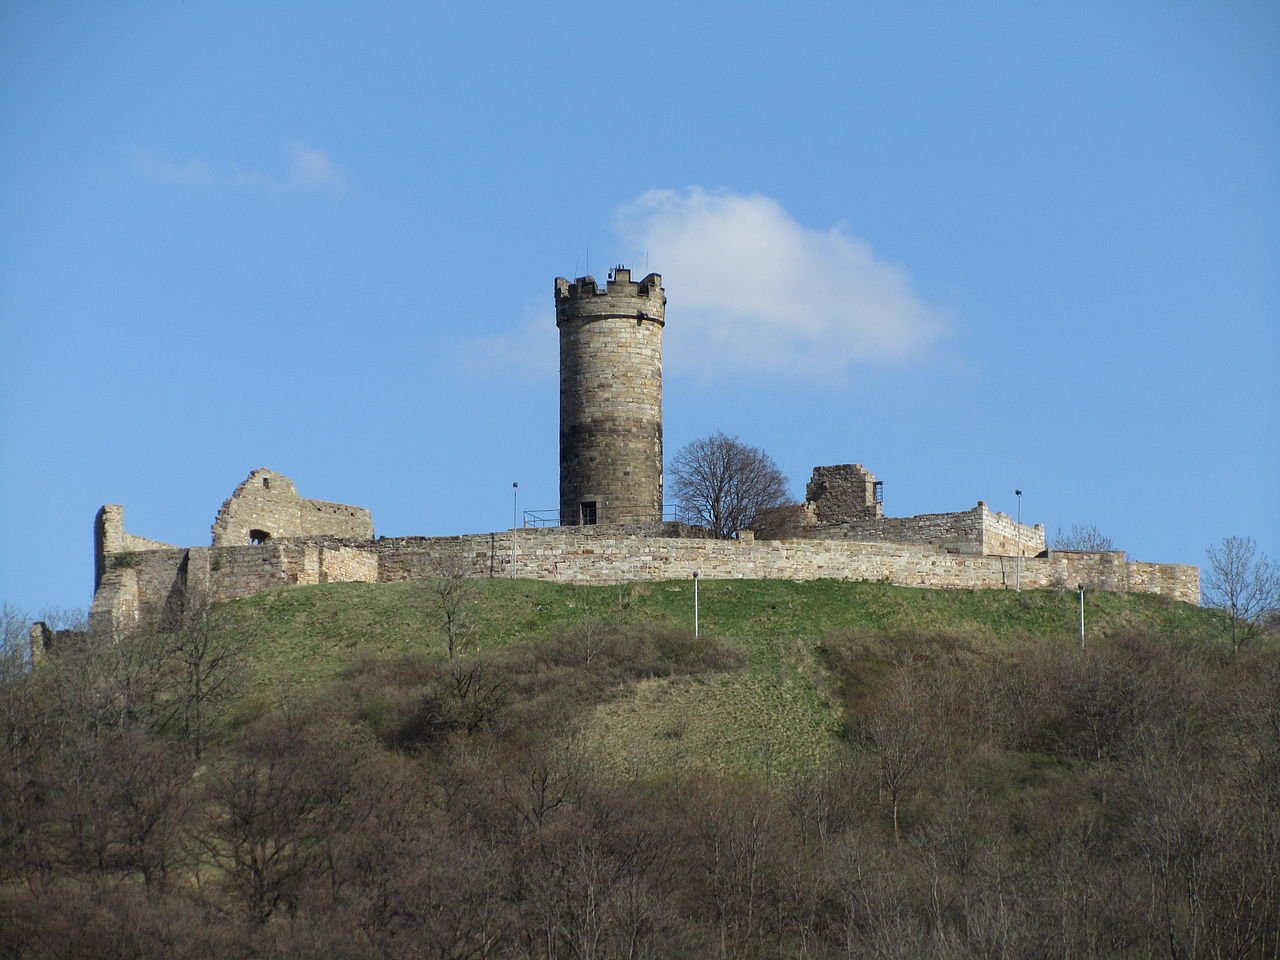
(895,736)
(274,805)
(1244,584)
(781,522)
(1083,537)
(453,589)
(24,749)
(476,691)
(206,668)
(721,483)
(587,640)
(15,628)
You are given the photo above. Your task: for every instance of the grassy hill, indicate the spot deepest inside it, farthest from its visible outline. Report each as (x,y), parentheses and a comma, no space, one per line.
(830,769)
(772,714)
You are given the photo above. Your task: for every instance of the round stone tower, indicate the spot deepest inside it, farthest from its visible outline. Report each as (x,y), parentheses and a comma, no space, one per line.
(610,399)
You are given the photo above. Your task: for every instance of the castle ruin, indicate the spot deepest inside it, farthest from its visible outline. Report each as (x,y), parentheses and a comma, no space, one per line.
(611,507)
(844,502)
(266,506)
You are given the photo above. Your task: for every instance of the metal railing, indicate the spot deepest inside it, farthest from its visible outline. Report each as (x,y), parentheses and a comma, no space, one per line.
(551,518)
(542,518)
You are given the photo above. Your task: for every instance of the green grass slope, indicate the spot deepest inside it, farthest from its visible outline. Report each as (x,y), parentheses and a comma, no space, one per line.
(771,716)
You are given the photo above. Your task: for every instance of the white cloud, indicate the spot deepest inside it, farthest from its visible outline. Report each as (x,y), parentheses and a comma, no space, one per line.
(754,291)
(309,168)
(312,168)
(531,352)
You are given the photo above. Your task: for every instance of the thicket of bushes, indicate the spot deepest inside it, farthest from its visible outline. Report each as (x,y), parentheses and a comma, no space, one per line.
(1121,801)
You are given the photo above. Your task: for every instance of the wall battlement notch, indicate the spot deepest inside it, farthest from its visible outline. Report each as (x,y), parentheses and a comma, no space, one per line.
(621,296)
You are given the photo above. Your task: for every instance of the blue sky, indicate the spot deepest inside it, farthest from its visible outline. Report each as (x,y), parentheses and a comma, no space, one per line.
(971,246)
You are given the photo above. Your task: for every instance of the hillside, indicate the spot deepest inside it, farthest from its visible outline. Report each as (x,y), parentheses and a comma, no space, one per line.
(772,713)
(827,770)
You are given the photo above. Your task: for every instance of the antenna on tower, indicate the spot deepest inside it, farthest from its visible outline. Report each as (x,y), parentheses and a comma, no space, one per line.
(587,273)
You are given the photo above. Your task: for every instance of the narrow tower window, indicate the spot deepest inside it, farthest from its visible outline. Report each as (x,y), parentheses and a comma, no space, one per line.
(588,512)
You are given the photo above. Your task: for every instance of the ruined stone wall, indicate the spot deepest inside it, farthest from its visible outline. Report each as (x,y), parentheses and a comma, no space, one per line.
(302,542)
(957,532)
(976,531)
(266,506)
(231,572)
(138,586)
(155,585)
(243,571)
(116,604)
(841,492)
(338,564)
(110,537)
(611,398)
(840,502)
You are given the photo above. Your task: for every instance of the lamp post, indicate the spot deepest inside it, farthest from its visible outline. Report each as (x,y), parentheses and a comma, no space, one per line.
(1017,576)
(695,604)
(1081,589)
(515,513)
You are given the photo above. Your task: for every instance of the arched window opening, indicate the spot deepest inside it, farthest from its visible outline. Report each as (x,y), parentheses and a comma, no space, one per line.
(258,537)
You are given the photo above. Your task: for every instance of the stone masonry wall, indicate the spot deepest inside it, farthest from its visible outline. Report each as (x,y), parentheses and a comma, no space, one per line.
(137,579)
(137,586)
(109,537)
(231,572)
(340,564)
(598,560)
(244,571)
(267,503)
(1004,536)
(844,491)
(976,531)
(115,603)
(957,532)
(611,397)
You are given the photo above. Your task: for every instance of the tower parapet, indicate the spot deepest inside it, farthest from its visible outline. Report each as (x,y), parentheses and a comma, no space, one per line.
(622,297)
(610,398)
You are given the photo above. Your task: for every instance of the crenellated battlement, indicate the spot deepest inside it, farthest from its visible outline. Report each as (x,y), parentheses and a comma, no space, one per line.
(620,297)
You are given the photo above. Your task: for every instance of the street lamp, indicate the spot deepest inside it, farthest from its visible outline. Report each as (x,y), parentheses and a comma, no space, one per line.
(1017,577)
(515,513)
(1081,589)
(695,604)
